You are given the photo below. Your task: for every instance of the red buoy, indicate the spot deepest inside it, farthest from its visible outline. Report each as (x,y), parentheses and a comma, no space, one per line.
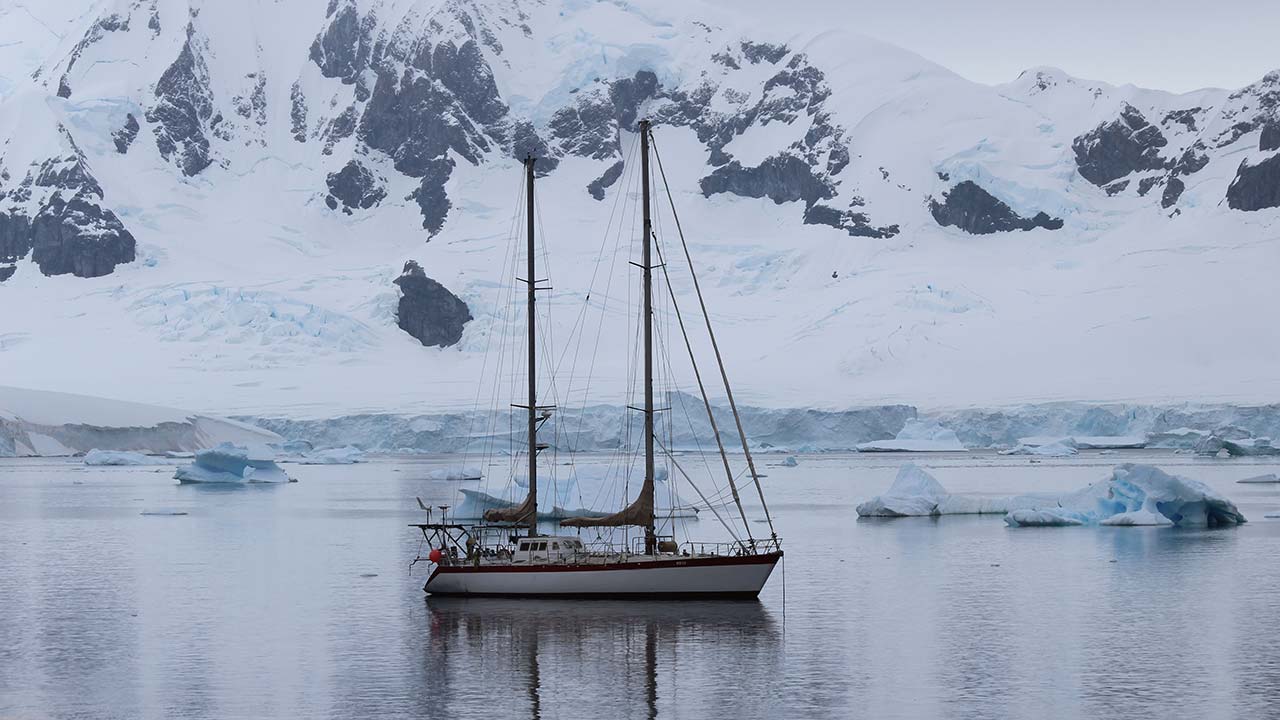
(435,555)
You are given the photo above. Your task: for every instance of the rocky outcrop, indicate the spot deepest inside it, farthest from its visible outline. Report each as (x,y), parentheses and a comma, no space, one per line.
(606,180)
(857,224)
(125,136)
(781,178)
(1256,187)
(976,211)
(354,187)
(1116,149)
(428,311)
(184,110)
(1172,191)
(1269,139)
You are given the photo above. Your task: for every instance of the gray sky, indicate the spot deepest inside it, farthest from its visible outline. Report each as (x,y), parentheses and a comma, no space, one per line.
(1176,45)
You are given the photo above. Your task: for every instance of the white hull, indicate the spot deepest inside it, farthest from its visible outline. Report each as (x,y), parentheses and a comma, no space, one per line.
(674,577)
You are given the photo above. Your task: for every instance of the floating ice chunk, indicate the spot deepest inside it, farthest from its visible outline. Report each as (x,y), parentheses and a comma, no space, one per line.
(1183,438)
(120,457)
(1043,440)
(1133,495)
(334,456)
(1235,442)
(1050,517)
(1260,479)
(1135,518)
(229,463)
(1056,449)
(917,436)
(456,473)
(789,461)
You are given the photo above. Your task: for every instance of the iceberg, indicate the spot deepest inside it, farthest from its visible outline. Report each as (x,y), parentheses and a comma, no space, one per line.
(100,458)
(229,463)
(917,436)
(916,493)
(1055,449)
(1135,495)
(1260,479)
(456,473)
(333,456)
(789,461)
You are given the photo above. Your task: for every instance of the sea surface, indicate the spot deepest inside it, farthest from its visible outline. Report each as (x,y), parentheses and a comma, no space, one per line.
(298,601)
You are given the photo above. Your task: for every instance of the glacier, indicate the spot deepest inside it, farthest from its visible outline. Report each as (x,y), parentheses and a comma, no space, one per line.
(227,463)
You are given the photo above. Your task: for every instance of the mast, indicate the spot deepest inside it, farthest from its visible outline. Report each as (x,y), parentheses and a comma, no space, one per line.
(646,258)
(531,282)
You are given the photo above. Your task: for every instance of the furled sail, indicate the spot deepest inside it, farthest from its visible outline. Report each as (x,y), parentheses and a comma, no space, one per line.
(520,514)
(639,512)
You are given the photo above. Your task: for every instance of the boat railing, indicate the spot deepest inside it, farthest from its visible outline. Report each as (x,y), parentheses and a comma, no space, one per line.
(736,548)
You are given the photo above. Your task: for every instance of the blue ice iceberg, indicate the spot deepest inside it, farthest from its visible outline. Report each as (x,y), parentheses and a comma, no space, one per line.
(1135,495)
(229,463)
(348,455)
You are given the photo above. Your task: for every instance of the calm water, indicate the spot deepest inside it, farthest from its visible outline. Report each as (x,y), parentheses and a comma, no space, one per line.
(297,601)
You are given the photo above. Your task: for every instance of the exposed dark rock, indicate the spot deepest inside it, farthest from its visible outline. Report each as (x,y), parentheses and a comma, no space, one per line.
(1270,138)
(757,52)
(154,22)
(340,128)
(1192,161)
(64,89)
(428,311)
(253,106)
(354,186)
(1172,191)
(344,48)
(781,178)
(298,113)
(1115,149)
(1116,187)
(7,271)
(589,127)
(430,195)
(726,60)
(15,236)
(525,142)
(974,210)
(856,224)
(79,237)
(125,136)
(629,94)
(1186,117)
(1146,183)
(606,180)
(184,111)
(1256,186)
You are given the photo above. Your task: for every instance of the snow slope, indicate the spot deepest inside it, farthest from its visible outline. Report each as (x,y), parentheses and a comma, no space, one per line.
(280,161)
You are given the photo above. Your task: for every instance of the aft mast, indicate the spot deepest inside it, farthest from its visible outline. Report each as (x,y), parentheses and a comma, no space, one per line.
(650,541)
(531,282)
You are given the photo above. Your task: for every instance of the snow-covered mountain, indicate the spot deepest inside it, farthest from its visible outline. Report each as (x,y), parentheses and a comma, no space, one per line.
(305,207)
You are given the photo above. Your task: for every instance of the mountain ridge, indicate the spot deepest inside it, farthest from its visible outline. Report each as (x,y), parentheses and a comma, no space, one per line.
(228,159)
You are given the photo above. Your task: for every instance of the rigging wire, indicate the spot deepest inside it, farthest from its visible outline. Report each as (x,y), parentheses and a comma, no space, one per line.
(715,346)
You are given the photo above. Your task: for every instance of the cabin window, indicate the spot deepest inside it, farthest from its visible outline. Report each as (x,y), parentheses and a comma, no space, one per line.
(555,546)
(524,547)
(542,546)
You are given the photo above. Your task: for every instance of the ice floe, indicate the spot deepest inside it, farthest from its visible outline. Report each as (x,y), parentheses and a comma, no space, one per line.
(1234,445)
(917,436)
(229,463)
(1055,449)
(1260,479)
(97,457)
(789,461)
(466,472)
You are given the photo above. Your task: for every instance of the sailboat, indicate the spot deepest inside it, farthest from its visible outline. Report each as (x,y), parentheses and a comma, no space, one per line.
(507,556)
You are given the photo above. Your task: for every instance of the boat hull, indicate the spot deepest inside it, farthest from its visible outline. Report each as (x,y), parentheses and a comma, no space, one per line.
(667,578)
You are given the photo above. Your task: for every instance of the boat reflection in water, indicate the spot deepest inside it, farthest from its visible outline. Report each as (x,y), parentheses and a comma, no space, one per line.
(617,659)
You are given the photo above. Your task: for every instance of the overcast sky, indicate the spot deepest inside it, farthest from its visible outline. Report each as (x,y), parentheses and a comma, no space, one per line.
(1176,45)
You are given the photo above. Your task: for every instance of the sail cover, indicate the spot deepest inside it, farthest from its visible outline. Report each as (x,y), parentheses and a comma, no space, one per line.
(639,512)
(520,514)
